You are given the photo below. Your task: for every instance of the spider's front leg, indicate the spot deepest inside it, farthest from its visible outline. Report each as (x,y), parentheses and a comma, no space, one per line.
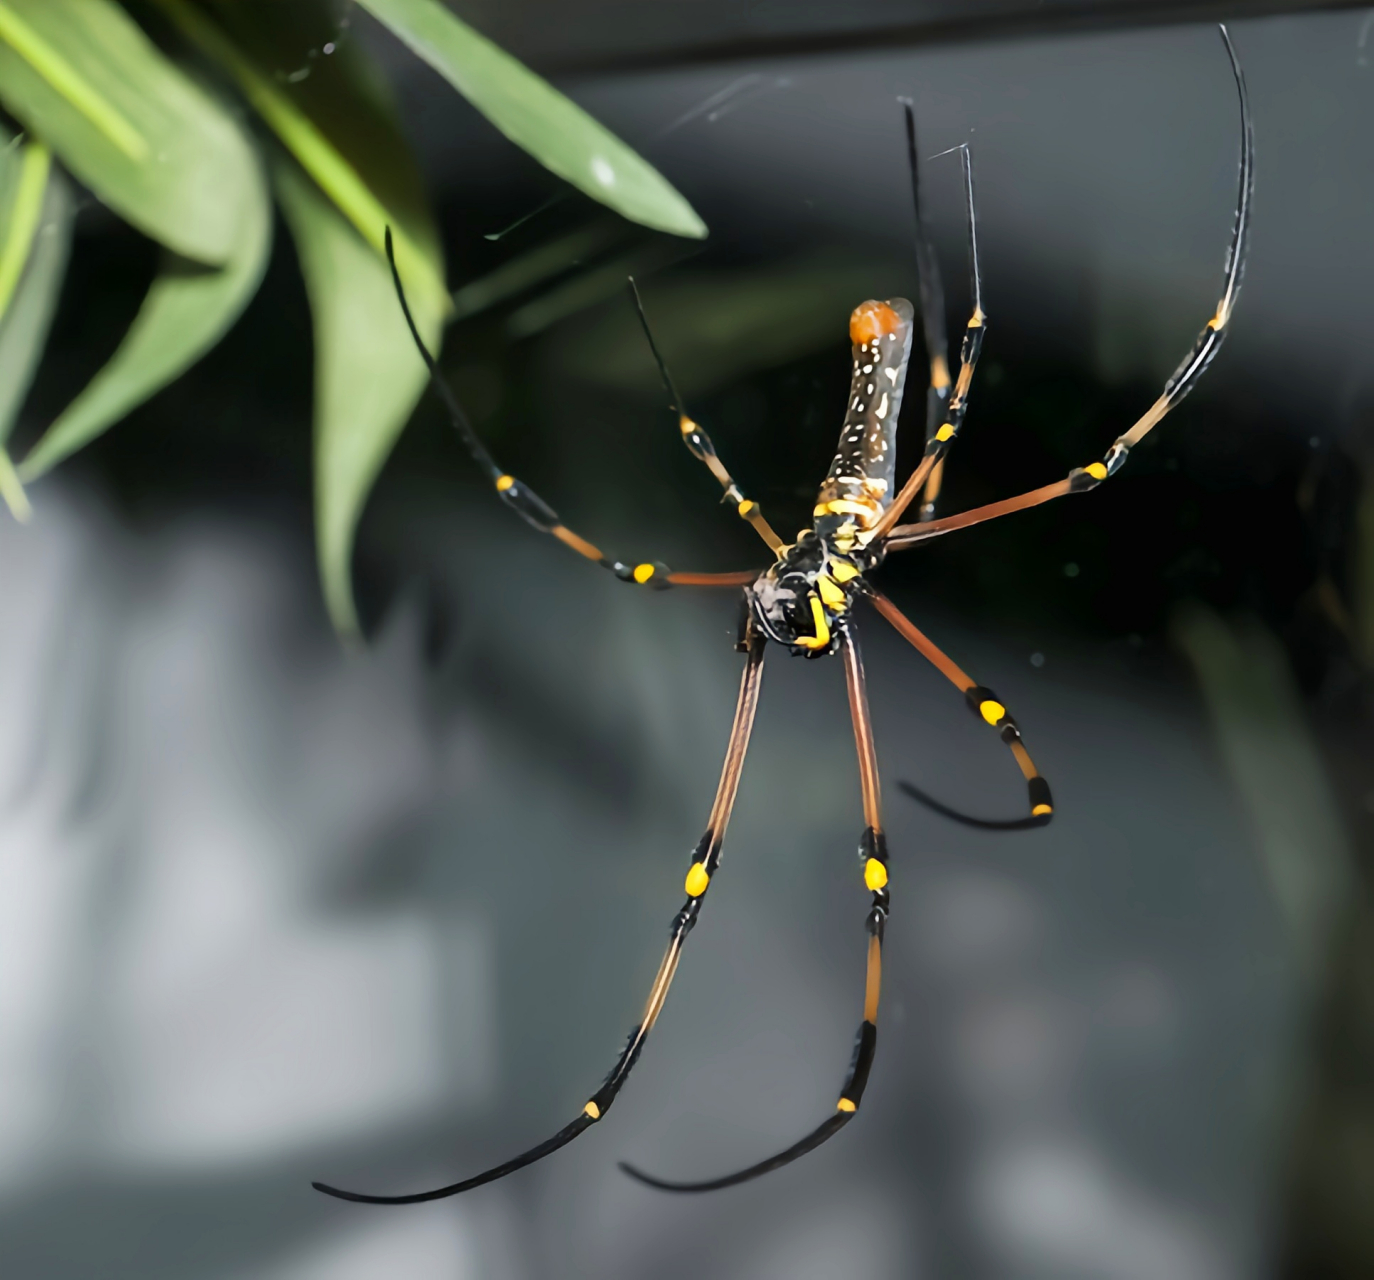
(1182,381)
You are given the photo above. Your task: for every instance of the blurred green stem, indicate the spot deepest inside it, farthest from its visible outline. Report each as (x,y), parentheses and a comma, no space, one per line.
(67,81)
(24,217)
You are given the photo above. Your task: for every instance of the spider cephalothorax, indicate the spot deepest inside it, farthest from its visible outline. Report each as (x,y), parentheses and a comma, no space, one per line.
(801,596)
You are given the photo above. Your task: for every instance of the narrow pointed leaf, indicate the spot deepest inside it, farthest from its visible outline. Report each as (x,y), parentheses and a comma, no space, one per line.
(29,312)
(80,75)
(337,122)
(368,374)
(539,119)
(22,187)
(187,310)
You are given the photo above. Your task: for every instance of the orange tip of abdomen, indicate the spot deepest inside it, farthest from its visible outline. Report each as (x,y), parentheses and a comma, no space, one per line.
(871,320)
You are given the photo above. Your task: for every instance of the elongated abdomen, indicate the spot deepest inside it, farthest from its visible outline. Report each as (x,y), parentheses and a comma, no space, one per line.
(859,483)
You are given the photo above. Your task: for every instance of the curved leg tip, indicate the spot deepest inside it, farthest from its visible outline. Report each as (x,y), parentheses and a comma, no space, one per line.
(968,819)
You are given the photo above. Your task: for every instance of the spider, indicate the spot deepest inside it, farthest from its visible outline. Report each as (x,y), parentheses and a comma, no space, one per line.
(804,601)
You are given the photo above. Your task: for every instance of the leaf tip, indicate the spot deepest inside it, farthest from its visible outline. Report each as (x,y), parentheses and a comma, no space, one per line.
(12,489)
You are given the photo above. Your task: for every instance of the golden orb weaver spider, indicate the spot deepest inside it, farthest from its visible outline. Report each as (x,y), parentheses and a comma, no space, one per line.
(802,601)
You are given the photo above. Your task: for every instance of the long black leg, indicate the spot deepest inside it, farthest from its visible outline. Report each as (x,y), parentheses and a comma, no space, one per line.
(873,851)
(988,708)
(523,500)
(1182,381)
(699,444)
(705,860)
(938,441)
(932,314)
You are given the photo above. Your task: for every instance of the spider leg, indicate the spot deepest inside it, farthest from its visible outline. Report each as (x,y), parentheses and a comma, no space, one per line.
(947,409)
(1182,381)
(699,444)
(523,500)
(986,706)
(932,310)
(705,860)
(873,850)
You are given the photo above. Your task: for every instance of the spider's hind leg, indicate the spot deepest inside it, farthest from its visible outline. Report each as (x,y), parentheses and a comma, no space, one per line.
(873,851)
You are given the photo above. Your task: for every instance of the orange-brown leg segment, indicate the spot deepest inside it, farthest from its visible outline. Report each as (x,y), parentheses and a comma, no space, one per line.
(705,861)
(873,852)
(988,708)
(523,500)
(1182,381)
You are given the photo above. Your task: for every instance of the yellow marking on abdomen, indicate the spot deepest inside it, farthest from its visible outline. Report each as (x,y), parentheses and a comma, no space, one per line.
(845,507)
(841,571)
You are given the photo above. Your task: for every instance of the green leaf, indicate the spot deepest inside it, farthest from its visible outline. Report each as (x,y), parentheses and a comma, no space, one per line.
(45,234)
(337,123)
(37,235)
(368,374)
(82,77)
(30,166)
(187,310)
(536,117)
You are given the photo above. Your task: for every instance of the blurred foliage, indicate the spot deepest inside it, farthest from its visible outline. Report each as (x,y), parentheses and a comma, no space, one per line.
(1274,760)
(145,107)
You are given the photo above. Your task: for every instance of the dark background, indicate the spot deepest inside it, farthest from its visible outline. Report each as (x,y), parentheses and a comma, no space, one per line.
(275,911)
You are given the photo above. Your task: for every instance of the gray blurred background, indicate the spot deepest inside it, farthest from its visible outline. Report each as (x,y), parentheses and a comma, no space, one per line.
(273,911)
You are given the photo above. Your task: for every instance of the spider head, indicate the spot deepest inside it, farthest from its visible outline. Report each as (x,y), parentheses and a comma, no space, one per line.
(800,601)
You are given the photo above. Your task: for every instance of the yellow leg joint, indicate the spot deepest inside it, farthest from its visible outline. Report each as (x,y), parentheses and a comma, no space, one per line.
(503,483)
(846,1104)
(643,572)
(591,1109)
(875,874)
(945,433)
(1041,810)
(991,711)
(1097,470)
(697,880)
